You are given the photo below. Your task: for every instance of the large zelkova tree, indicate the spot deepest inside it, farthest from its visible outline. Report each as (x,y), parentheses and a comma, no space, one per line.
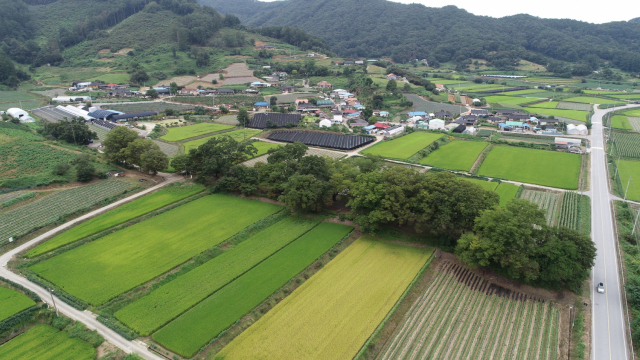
(243,117)
(153,160)
(116,141)
(136,148)
(282,163)
(517,241)
(75,131)
(215,157)
(306,193)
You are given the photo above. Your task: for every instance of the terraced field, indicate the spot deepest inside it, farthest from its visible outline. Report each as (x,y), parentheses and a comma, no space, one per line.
(545,200)
(462,316)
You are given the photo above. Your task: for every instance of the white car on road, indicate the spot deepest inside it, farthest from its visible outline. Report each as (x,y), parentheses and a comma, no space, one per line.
(601,288)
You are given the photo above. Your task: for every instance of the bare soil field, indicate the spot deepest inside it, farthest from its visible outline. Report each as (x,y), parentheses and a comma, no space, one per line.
(238,70)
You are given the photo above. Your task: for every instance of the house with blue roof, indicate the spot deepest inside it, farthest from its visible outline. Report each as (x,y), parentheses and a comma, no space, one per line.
(261,105)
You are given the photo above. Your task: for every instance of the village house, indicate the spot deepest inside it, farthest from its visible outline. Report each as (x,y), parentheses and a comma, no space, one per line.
(188,91)
(324,85)
(392,76)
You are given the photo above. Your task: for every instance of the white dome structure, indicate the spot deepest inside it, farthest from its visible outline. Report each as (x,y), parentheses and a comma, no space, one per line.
(325,123)
(17,113)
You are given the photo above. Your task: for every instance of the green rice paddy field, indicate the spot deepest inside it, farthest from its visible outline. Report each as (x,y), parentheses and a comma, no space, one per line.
(169,301)
(626,169)
(507,192)
(569,114)
(238,135)
(620,122)
(457,155)
(522,92)
(545,105)
(117,216)
(187,132)
(102,269)
(13,302)
(590,100)
(548,168)
(513,100)
(44,342)
(264,147)
(195,328)
(403,147)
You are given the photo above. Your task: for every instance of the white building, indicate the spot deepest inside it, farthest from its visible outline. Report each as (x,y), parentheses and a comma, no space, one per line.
(436,124)
(393,131)
(337,117)
(470,131)
(577,130)
(17,113)
(71,98)
(325,123)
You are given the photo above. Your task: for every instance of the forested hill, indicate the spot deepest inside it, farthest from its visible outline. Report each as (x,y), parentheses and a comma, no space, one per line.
(377,28)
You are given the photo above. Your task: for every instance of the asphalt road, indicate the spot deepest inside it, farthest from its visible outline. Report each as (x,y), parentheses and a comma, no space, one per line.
(609,340)
(86,317)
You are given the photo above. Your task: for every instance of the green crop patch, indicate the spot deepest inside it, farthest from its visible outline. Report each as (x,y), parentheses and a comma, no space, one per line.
(13,302)
(264,147)
(237,135)
(187,132)
(548,168)
(627,144)
(510,100)
(590,100)
(522,92)
(568,114)
(626,96)
(630,169)
(546,105)
(485,185)
(102,269)
(43,342)
(118,216)
(457,155)
(172,299)
(620,122)
(188,333)
(507,192)
(403,147)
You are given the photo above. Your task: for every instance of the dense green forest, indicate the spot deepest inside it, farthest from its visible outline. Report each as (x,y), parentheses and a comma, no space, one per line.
(379,28)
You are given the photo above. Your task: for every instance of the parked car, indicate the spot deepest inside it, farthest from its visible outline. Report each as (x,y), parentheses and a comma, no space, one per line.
(601,288)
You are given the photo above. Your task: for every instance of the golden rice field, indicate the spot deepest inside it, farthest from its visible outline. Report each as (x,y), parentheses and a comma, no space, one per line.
(333,314)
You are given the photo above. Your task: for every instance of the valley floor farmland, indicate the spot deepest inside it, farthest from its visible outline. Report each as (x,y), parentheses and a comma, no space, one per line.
(331,315)
(237,135)
(43,342)
(195,328)
(13,302)
(457,155)
(548,168)
(187,132)
(403,147)
(462,316)
(102,269)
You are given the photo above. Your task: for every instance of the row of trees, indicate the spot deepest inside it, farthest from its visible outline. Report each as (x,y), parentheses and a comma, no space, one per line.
(514,240)
(124,146)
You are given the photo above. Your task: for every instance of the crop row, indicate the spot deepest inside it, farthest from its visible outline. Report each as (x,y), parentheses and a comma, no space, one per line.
(627,144)
(44,342)
(570,210)
(545,200)
(462,316)
(634,122)
(40,213)
(117,216)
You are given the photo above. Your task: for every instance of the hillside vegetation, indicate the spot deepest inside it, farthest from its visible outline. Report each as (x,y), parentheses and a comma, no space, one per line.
(365,29)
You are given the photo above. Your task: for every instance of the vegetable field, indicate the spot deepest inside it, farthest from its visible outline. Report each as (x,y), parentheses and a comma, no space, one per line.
(568,114)
(117,216)
(238,135)
(403,147)
(13,302)
(462,316)
(35,215)
(457,155)
(627,144)
(189,332)
(573,106)
(44,342)
(570,210)
(187,132)
(634,121)
(545,200)
(169,301)
(332,314)
(26,163)
(100,270)
(549,168)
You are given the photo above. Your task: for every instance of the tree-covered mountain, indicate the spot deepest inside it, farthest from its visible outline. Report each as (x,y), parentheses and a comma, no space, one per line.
(377,28)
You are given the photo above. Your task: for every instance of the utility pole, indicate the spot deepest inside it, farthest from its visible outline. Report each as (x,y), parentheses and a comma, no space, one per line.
(54,302)
(625,192)
(635,223)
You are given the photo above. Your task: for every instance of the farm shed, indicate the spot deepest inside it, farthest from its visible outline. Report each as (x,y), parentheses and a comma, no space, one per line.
(334,141)
(17,113)
(384,114)
(325,123)
(127,117)
(104,114)
(436,124)
(460,129)
(259,121)
(565,143)
(393,131)
(27,119)
(577,130)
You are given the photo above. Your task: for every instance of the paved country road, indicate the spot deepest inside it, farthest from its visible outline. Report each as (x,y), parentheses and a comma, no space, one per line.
(85,317)
(609,329)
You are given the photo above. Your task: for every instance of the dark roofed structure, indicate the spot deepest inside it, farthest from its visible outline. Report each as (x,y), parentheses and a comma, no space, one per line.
(479,112)
(225,91)
(506,112)
(259,121)
(103,114)
(133,116)
(444,114)
(334,141)
(460,129)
